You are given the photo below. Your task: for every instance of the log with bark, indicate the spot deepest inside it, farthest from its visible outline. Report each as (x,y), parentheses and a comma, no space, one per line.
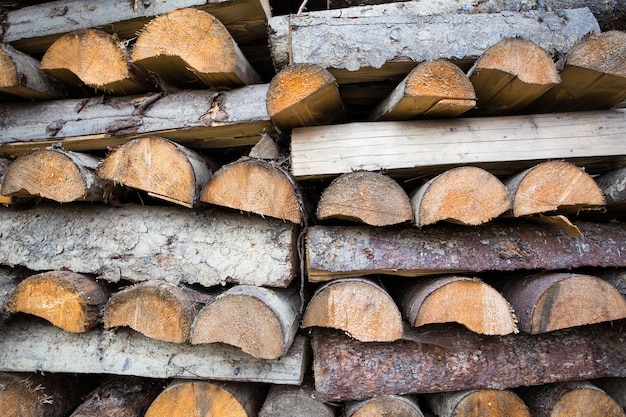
(613,187)
(452,359)
(4,167)
(9,279)
(387,405)
(283,400)
(140,243)
(477,403)
(615,276)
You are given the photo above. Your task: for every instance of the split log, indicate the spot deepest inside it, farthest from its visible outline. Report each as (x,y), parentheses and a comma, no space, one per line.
(510,75)
(189,47)
(283,400)
(400,35)
(120,397)
(26,345)
(20,77)
(140,243)
(412,147)
(4,167)
(198,119)
(304,95)
(388,405)
(367,197)
(161,167)
(96,59)
(464,195)
(70,301)
(478,403)
(615,387)
(359,307)
(571,399)
(260,321)
(256,186)
(157,309)
(207,399)
(427,84)
(467,301)
(341,251)
(553,301)
(265,148)
(593,77)
(453,359)
(55,174)
(613,187)
(551,186)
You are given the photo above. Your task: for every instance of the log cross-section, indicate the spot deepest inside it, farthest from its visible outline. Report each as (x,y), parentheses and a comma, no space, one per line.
(478,403)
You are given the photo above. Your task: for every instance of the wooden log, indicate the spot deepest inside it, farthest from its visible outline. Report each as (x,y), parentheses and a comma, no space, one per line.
(464,195)
(197,119)
(464,300)
(449,359)
(304,95)
(615,277)
(359,307)
(207,399)
(299,400)
(574,398)
(341,251)
(266,148)
(157,309)
(260,321)
(9,279)
(401,35)
(29,345)
(479,402)
(551,186)
(21,78)
(392,405)
(70,301)
(141,243)
(426,85)
(411,147)
(593,76)
(161,167)
(510,75)
(615,387)
(552,301)
(190,47)
(55,174)
(256,186)
(613,186)
(367,197)
(4,167)
(121,397)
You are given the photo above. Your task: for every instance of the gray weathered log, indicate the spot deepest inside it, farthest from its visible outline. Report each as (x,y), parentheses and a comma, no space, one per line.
(9,278)
(139,243)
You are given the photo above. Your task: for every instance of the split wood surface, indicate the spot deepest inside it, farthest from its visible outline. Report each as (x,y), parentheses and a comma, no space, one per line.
(477,403)
(392,405)
(299,400)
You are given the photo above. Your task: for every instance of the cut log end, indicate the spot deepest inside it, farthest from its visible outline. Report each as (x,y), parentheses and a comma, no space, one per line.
(478,403)
(603,52)
(284,400)
(387,405)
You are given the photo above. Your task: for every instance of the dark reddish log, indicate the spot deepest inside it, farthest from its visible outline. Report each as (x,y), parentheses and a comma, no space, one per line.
(452,359)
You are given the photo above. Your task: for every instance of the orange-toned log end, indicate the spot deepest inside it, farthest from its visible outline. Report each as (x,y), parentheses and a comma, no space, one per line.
(478,403)
(68,300)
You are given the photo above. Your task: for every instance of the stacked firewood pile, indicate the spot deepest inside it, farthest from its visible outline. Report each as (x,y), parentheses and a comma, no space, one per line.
(245,208)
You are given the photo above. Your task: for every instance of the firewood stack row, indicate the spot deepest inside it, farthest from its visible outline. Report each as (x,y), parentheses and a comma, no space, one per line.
(250,208)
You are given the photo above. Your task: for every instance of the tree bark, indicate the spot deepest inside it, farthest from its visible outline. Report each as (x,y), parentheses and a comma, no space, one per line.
(478,403)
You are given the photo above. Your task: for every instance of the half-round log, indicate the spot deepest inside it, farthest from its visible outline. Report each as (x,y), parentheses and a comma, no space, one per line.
(286,400)
(478,403)
(386,405)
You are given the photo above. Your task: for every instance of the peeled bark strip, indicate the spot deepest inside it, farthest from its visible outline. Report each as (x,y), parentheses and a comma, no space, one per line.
(161,167)
(448,359)
(21,77)
(359,307)
(304,95)
(341,251)
(55,174)
(553,301)
(189,47)
(464,300)
(426,85)
(478,403)
(510,75)
(260,321)
(256,186)
(553,185)
(157,309)
(392,405)
(141,243)
(207,399)
(367,197)
(300,400)
(70,301)
(464,195)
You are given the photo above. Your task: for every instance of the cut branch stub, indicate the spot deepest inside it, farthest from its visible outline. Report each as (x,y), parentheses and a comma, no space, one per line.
(255,186)
(464,195)
(367,197)
(386,405)
(553,185)
(161,167)
(478,403)
(304,95)
(467,301)
(554,301)
(159,310)
(190,47)
(68,300)
(359,307)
